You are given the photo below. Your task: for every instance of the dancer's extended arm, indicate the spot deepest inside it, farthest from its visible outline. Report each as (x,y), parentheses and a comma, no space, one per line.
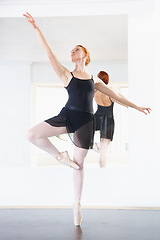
(100,86)
(60,70)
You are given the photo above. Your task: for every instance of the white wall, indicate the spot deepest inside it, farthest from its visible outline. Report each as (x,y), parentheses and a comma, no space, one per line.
(14,114)
(133,185)
(42,72)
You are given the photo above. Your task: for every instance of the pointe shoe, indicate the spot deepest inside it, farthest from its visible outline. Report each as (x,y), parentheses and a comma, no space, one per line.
(64,158)
(77,213)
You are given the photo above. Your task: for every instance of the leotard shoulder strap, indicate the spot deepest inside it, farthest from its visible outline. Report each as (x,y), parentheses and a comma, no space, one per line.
(72,74)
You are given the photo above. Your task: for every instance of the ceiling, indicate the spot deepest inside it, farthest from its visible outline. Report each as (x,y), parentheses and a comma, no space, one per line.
(26,2)
(104,36)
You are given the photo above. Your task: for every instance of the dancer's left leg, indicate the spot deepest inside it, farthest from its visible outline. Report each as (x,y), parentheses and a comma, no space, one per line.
(78,175)
(104,144)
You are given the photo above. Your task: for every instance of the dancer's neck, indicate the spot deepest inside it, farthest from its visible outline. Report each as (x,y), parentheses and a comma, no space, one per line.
(80,68)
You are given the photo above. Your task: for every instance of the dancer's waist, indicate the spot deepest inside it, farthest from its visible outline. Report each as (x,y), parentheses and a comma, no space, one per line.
(78,109)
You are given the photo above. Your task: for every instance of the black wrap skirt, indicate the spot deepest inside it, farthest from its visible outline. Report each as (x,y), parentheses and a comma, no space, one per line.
(80,126)
(105,125)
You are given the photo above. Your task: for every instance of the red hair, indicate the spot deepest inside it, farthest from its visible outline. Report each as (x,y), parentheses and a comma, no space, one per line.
(87,54)
(103,76)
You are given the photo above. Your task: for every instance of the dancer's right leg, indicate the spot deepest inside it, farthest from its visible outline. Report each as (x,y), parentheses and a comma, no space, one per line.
(39,135)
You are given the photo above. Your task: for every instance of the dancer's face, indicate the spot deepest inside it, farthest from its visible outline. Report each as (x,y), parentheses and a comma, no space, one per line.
(77,54)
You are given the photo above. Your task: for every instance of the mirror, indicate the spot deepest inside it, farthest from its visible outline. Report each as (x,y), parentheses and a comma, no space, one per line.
(106,38)
(107,43)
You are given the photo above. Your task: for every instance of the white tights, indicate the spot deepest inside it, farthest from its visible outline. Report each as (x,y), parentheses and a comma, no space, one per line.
(104,143)
(39,135)
(78,175)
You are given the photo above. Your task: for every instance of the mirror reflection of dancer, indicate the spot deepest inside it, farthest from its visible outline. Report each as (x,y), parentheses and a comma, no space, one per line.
(76,117)
(104,119)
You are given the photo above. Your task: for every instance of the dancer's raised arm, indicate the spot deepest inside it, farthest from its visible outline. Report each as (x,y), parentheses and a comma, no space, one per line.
(100,86)
(60,70)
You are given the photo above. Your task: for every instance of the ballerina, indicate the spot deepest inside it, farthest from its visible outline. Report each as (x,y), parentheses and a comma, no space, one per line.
(76,118)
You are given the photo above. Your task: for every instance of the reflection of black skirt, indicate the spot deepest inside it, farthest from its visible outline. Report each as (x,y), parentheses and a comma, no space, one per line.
(105,125)
(79,124)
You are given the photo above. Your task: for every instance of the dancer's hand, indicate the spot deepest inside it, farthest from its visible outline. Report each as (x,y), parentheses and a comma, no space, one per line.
(30,19)
(144,110)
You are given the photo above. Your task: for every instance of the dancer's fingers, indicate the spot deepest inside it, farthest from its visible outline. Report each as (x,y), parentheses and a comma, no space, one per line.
(29,15)
(148,110)
(25,15)
(28,18)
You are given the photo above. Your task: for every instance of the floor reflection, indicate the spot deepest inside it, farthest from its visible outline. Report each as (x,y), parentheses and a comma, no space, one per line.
(78,234)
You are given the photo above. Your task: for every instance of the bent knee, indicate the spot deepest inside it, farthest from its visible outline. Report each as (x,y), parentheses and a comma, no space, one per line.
(31,136)
(80,165)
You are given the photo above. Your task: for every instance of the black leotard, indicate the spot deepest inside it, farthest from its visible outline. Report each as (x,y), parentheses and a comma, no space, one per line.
(80,94)
(77,115)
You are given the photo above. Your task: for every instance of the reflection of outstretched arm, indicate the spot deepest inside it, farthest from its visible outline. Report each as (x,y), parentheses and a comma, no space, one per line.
(60,70)
(100,86)
(114,100)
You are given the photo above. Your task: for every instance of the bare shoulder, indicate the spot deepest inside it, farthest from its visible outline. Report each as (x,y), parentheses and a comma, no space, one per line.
(96,79)
(97,95)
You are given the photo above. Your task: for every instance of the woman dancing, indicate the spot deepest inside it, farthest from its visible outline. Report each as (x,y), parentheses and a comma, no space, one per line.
(77,115)
(104,119)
